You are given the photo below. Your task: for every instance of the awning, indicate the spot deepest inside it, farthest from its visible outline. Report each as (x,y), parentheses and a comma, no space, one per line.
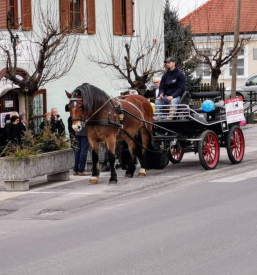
(4,89)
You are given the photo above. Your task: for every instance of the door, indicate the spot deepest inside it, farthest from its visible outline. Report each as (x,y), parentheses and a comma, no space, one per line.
(8,103)
(39,108)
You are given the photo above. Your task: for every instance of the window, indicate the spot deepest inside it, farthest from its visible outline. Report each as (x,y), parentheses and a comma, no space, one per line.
(240,63)
(20,13)
(13,8)
(254,54)
(123,17)
(202,69)
(253,81)
(72,15)
(76,14)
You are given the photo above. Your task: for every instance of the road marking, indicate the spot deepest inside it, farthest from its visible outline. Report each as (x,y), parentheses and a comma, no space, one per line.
(67,193)
(243,176)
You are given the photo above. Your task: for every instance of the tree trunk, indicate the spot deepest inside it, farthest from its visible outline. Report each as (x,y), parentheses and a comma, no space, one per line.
(214,78)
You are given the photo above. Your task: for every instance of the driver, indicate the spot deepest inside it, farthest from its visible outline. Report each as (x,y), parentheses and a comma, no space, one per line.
(172,86)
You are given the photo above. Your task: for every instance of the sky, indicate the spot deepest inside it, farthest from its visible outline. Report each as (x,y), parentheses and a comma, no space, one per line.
(186,6)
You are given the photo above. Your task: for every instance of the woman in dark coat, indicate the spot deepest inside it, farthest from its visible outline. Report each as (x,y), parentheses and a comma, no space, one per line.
(46,122)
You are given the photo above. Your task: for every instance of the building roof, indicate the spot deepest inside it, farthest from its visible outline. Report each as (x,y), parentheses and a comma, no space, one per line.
(218,16)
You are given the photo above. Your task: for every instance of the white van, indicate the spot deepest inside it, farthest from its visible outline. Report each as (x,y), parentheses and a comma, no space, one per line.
(250,84)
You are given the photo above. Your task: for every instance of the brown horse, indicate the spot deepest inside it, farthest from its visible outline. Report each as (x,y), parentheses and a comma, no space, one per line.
(104,118)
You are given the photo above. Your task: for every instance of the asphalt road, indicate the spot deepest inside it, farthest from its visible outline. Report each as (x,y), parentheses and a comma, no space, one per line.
(180,220)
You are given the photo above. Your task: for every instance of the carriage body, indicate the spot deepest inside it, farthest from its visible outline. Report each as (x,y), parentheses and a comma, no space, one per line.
(190,129)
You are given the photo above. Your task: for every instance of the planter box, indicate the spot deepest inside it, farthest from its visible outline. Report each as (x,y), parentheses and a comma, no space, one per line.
(17,172)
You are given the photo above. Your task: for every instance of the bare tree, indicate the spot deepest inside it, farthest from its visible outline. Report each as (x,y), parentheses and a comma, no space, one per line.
(213,41)
(133,59)
(218,57)
(52,52)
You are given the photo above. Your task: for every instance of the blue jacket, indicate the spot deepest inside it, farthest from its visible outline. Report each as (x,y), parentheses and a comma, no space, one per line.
(173,83)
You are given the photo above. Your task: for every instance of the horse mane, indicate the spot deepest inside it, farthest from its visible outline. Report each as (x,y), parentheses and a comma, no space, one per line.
(93,97)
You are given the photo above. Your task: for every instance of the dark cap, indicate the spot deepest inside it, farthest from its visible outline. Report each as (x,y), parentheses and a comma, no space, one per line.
(170,59)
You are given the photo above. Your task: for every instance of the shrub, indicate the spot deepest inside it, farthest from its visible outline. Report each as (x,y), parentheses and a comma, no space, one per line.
(34,145)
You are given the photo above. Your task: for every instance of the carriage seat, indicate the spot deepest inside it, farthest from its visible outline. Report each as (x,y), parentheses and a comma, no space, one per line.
(207,95)
(212,94)
(184,98)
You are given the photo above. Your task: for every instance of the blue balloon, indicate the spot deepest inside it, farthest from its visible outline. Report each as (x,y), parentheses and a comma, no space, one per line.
(208,106)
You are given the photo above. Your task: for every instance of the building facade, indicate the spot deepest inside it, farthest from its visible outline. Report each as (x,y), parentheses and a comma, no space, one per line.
(107,21)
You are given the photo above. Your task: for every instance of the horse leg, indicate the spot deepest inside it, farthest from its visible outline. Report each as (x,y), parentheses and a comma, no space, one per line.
(132,160)
(95,169)
(145,140)
(110,141)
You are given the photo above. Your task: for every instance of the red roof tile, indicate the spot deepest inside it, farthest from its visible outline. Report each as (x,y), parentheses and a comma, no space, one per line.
(218,16)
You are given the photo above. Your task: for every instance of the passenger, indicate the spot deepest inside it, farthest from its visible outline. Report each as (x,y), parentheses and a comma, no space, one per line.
(172,87)
(153,91)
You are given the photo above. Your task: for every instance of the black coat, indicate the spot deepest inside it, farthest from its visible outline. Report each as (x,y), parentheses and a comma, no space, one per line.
(8,128)
(18,132)
(5,136)
(58,125)
(173,83)
(44,124)
(150,94)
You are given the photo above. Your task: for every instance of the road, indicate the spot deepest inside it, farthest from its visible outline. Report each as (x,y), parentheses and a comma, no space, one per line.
(180,220)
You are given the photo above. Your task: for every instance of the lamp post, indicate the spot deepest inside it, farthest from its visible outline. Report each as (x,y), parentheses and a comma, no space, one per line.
(236,38)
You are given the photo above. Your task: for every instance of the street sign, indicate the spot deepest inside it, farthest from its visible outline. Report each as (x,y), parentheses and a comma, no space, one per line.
(9,104)
(2,116)
(234,109)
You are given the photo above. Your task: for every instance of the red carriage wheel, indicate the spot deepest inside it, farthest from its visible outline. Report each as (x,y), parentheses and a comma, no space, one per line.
(175,154)
(209,150)
(235,144)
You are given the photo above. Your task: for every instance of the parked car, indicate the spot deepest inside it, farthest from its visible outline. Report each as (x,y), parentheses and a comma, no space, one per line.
(250,84)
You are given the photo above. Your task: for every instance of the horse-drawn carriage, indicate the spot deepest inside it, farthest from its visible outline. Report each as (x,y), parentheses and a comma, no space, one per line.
(193,129)
(178,129)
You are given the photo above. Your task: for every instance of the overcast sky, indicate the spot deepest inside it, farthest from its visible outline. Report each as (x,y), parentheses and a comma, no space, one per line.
(186,6)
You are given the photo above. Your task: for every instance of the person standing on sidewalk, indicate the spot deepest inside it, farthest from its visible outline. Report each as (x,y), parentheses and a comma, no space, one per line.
(81,153)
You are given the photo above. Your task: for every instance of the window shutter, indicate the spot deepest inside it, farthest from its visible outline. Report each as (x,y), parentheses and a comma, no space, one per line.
(3,13)
(65,14)
(129,17)
(117,17)
(26,15)
(91,24)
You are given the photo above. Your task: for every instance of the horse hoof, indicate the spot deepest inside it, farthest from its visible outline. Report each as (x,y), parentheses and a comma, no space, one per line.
(142,173)
(129,176)
(93,180)
(113,182)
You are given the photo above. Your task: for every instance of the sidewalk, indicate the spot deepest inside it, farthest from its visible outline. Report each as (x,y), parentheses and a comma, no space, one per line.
(247,126)
(38,184)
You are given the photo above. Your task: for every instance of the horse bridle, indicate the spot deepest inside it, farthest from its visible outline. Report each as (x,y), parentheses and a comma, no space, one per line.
(72,99)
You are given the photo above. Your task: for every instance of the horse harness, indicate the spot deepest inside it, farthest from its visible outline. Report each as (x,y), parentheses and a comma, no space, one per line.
(109,121)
